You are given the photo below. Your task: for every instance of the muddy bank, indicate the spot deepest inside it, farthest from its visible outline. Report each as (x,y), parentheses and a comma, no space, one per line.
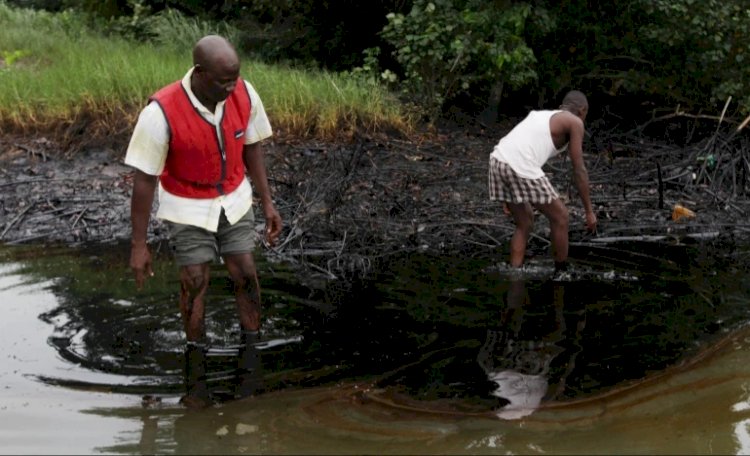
(346,205)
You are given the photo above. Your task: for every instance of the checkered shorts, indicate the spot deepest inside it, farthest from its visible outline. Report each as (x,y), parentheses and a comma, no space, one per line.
(506,185)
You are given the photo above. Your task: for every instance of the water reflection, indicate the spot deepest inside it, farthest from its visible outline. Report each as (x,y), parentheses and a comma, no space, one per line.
(388,364)
(511,344)
(653,418)
(444,332)
(521,362)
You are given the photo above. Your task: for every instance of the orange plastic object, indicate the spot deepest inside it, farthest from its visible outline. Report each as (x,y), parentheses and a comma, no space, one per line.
(681,211)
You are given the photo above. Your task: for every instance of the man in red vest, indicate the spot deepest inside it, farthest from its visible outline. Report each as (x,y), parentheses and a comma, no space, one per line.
(196,139)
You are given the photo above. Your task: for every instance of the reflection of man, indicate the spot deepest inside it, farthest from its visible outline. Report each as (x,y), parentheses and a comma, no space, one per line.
(523,393)
(521,364)
(197,138)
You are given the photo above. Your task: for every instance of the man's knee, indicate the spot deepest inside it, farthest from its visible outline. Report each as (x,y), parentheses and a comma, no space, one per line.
(525,225)
(558,215)
(562,220)
(523,216)
(193,279)
(242,271)
(245,281)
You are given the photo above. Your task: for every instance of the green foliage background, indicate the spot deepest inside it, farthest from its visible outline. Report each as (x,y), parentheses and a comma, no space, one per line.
(82,78)
(632,55)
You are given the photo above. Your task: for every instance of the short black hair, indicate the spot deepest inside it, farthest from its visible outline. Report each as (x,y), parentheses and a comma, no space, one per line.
(575,99)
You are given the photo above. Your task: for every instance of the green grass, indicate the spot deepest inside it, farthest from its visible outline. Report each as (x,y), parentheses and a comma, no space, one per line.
(55,68)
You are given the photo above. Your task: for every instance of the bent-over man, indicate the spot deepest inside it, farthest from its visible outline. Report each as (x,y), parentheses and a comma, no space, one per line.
(517,179)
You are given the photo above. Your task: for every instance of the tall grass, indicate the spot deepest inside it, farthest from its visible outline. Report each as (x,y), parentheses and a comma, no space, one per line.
(67,72)
(310,101)
(173,30)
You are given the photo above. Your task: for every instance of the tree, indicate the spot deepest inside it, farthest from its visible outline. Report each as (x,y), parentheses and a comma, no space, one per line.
(443,47)
(702,47)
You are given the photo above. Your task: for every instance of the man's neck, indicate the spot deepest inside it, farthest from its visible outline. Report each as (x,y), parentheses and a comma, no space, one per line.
(206,103)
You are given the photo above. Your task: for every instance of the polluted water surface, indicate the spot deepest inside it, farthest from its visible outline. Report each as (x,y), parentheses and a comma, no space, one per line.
(646,352)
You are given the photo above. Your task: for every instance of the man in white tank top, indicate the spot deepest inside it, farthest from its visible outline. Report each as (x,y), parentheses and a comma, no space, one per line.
(517,179)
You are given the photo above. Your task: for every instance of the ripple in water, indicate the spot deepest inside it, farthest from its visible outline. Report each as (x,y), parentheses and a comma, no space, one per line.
(448,335)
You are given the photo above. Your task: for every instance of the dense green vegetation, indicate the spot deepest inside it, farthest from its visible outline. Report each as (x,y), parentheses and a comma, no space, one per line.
(57,68)
(634,58)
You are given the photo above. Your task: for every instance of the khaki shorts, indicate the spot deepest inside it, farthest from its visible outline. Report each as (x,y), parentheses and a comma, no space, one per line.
(506,185)
(192,245)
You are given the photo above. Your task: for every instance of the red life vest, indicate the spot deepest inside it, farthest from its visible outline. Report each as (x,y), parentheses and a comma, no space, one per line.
(200,164)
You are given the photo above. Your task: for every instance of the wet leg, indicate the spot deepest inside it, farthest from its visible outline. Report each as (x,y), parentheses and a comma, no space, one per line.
(524,220)
(196,384)
(246,289)
(193,286)
(557,214)
(247,293)
(249,379)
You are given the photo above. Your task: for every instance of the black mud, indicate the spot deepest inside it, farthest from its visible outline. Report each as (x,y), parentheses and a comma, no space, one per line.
(346,205)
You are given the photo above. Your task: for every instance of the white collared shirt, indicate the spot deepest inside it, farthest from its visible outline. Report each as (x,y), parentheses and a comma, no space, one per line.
(148,150)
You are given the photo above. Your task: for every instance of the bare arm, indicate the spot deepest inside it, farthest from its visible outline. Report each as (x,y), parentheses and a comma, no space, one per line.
(252,154)
(140,213)
(580,174)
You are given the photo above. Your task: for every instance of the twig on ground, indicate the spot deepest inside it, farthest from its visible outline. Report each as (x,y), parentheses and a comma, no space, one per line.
(16,218)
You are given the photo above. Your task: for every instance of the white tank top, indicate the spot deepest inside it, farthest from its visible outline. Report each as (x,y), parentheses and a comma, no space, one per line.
(528,146)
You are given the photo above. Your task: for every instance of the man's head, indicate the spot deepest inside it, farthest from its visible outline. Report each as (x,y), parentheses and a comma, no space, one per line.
(576,102)
(216,68)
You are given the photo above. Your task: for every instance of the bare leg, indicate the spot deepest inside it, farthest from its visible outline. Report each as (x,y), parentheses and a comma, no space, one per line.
(247,292)
(524,220)
(557,214)
(246,289)
(193,286)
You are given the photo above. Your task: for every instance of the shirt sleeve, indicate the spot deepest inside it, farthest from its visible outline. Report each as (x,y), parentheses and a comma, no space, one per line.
(149,144)
(258,127)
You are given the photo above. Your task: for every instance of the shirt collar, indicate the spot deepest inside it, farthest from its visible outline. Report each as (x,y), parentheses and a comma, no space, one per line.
(194,100)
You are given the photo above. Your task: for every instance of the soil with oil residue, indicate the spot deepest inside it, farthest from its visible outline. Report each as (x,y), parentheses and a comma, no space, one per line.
(345,203)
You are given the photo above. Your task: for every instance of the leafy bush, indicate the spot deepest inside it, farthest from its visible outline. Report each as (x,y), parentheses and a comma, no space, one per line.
(703,46)
(446,46)
(313,33)
(636,54)
(626,54)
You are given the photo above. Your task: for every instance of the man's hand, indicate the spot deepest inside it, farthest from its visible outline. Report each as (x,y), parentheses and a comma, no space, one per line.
(140,263)
(273,223)
(591,221)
